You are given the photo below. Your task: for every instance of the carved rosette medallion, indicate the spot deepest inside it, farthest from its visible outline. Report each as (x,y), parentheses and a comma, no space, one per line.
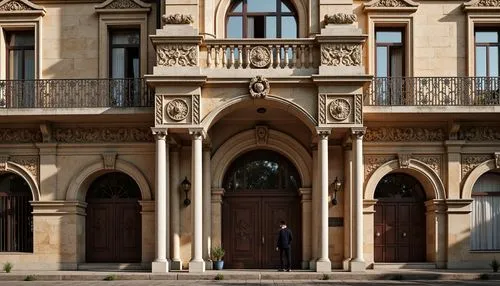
(177,109)
(259,87)
(339,109)
(177,55)
(341,55)
(260,57)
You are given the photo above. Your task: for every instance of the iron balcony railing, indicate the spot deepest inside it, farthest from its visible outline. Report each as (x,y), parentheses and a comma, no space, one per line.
(75,93)
(433,91)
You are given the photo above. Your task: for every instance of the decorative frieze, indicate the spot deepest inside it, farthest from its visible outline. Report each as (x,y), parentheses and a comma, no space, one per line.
(102,135)
(30,163)
(20,135)
(177,19)
(433,161)
(391,3)
(158,109)
(471,161)
(12,6)
(340,18)
(373,162)
(122,4)
(341,54)
(486,3)
(259,87)
(177,109)
(183,55)
(479,133)
(392,134)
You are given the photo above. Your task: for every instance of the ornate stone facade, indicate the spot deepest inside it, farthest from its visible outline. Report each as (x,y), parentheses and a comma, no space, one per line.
(479,134)
(14,6)
(434,161)
(18,135)
(391,3)
(373,162)
(177,55)
(260,57)
(339,109)
(177,19)
(30,163)
(487,3)
(261,134)
(177,109)
(392,134)
(322,108)
(122,4)
(471,161)
(259,87)
(340,18)
(358,109)
(341,55)
(102,135)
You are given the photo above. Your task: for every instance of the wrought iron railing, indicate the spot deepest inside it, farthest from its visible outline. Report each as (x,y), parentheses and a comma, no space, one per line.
(433,91)
(75,93)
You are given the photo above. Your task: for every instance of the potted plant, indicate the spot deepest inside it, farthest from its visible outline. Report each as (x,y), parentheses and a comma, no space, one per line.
(217,254)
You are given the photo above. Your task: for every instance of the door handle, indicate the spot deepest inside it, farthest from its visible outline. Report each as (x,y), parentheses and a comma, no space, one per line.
(377,234)
(262,240)
(404,234)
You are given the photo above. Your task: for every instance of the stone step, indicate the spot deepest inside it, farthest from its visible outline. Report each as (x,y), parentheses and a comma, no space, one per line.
(412,265)
(111,266)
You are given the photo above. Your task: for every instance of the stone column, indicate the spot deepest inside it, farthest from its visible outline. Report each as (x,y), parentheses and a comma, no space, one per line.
(207,209)
(323,264)
(306,226)
(358,262)
(175,222)
(315,206)
(197,264)
(217,216)
(348,212)
(160,265)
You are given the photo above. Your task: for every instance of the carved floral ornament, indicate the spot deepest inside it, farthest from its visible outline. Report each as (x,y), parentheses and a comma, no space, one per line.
(177,19)
(341,54)
(408,5)
(177,55)
(483,133)
(260,57)
(404,134)
(471,161)
(177,109)
(340,18)
(259,87)
(482,3)
(373,162)
(20,6)
(339,109)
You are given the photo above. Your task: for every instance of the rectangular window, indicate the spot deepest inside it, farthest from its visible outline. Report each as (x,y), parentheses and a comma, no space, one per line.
(389,66)
(486,47)
(20,68)
(125,67)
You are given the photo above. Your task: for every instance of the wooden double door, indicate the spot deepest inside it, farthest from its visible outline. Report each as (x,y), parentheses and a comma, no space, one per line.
(399,231)
(250,228)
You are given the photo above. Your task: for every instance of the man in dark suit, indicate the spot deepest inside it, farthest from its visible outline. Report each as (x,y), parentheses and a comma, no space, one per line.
(284,246)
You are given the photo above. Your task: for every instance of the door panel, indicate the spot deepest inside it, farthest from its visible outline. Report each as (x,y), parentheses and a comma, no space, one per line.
(99,238)
(128,232)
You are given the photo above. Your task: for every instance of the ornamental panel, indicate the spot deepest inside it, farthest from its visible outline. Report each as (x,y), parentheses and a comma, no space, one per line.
(177,55)
(471,161)
(177,109)
(341,55)
(340,109)
(392,134)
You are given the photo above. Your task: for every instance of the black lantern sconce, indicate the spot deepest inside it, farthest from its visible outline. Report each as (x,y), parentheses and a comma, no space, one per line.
(186,187)
(337,187)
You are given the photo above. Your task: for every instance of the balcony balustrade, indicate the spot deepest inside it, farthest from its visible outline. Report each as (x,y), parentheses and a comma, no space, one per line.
(75,93)
(433,91)
(260,53)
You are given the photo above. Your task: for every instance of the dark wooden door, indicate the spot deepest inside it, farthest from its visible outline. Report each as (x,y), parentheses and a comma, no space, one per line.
(400,228)
(250,228)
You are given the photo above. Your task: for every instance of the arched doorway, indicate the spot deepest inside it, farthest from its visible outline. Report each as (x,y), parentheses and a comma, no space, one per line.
(399,219)
(16,218)
(261,190)
(113,222)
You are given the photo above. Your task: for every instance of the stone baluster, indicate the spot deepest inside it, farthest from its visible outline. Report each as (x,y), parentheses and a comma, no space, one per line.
(286,59)
(247,56)
(216,54)
(271,62)
(231,56)
(240,56)
(302,56)
(278,56)
(310,50)
(294,56)
(224,56)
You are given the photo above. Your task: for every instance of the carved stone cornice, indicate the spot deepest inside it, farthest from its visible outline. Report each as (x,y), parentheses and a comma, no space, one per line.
(13,7)
(482,133)
(177,19)
(20,135)
(116,6)
(341,54)
(102,135)
(482,5)
(470,161)
(340,18)
(393,134)
(180,55)
(391,5)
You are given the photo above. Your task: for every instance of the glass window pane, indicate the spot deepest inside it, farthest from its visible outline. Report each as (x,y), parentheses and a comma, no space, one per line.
(261,6)
(288,27)
(250,27)
(284,8)
(118,63)
(382,68)
(271,27)
(493,64)
(29,64)
(15,64)
(235,27)
(396,54)
(22,39)
(238,8)
(125,37)
(480,61)
(487,37)
(389,37)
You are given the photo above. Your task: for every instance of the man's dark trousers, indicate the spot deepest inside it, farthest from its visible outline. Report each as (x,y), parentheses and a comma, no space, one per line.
(288,253)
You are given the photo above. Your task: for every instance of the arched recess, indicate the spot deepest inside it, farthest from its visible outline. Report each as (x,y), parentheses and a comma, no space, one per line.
(270,100)
(80,183)
(246,141)
(222,8)
(474,175)
(26,175)
(433,186)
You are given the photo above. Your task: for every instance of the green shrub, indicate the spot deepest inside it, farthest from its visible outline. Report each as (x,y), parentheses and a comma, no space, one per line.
(110,278)
(217,253)
(494,265)
(30,278)
(219,277)
(7,267)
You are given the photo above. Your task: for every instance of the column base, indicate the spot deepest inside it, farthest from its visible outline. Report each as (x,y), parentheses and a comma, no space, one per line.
(323,266)
(176,265)
(197,266)
(208,265)
(346,264)
(357,266)
(159,267)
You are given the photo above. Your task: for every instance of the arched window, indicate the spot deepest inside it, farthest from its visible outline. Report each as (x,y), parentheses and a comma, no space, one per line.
(261,19)
(485,225)
(261,170)
(399,186)
(16,220)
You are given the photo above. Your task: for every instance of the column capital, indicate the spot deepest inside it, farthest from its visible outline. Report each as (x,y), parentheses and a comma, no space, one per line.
(358,132)
(323,132)
(197,133)
(159,133)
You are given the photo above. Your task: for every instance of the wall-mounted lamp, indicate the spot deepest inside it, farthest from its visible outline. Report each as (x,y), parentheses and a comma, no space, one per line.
(186,186)
(337,187)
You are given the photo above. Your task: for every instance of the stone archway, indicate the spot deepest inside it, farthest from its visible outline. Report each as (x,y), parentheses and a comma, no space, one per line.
(475,174)
(26,175)
(435,217)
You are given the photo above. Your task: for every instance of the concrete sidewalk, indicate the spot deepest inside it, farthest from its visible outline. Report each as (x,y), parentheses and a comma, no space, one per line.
(253,275)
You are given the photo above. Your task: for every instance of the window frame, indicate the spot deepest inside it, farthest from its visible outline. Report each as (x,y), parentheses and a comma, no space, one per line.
(111,46)
(23,48)
(245,14)
(389,45)
(487,45)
